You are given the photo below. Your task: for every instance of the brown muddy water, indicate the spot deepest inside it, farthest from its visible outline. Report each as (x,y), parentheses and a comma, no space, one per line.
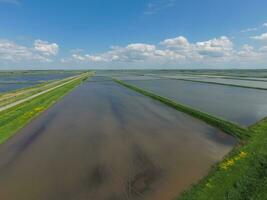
(105,142)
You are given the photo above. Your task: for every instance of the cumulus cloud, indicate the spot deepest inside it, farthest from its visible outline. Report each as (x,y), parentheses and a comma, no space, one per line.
(11,51)
(263,49)
(141,47)
(46,48)
(172,49)
(212,48)
(178,42)
(247,51)
(262,37)
(216,47)
(129,53)
(176,51)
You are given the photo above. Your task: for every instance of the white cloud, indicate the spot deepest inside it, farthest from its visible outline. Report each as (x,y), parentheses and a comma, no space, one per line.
(178,42)
(46,48)
(141,47)
(265,24)
(247,51)
(176,51)
(262,37)
(13,52)
(263,49)
(216,47)
(87,57)
(130,53)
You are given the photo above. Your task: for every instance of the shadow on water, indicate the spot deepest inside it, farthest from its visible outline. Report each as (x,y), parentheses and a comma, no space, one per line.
(15,149)
(145,173)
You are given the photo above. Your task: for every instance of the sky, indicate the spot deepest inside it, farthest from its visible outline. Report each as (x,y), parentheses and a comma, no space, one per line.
(136,34)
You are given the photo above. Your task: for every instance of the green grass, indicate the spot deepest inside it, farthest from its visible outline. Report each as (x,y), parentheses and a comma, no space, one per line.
(226,126)
(17,117)
(242,175)
(15,95)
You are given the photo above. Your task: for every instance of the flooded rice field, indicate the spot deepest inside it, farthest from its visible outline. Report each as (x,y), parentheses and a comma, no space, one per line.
(19,81)
(241,105)
(245,83)
(135,77)
(103,141)
(6,87)
(186,76)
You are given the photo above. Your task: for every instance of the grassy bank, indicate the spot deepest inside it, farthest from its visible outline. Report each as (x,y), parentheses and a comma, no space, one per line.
(15,118)
(12,96)
(242,175)
(226,126)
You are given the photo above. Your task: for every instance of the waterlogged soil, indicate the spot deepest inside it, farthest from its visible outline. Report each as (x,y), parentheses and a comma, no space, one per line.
(106,142)
(241,105)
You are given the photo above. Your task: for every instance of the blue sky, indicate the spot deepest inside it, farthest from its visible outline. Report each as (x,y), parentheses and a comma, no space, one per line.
(133,34)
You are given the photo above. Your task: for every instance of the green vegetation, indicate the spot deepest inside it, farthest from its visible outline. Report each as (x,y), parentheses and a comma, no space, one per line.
(9,97)
(226,126)
(15,118)
(241,175)
(243,172)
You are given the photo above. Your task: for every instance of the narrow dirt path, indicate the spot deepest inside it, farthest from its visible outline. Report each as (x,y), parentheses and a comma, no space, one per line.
(38,94)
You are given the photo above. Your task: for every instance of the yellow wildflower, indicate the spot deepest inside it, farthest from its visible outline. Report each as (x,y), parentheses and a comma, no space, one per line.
(225,165)
(243,154)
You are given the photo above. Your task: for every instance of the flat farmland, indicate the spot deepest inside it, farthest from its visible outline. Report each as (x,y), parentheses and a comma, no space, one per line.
(133,135)
(240,105)
(104,141)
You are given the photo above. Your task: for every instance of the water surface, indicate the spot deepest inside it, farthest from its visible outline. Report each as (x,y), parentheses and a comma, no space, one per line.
(15,82)
(105,142)
(238,82)
(6,87)
(241,105)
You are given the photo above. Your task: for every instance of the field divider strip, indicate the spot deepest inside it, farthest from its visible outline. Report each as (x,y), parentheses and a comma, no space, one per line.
(9,95)
(12,120)
(215,83)
(228,127)
(6,107)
